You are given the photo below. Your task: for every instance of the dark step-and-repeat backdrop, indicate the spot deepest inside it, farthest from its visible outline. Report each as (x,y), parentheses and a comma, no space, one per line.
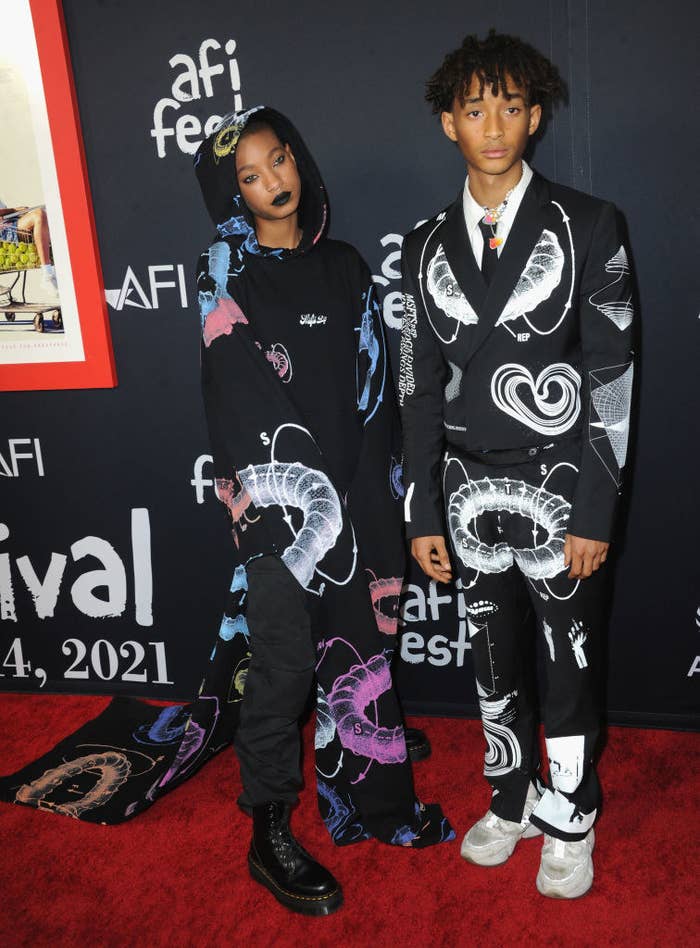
(114,552)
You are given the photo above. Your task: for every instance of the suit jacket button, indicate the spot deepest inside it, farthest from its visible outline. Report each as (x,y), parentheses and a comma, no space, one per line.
(532,452)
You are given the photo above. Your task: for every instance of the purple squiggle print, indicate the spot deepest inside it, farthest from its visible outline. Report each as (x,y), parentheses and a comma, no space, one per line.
(350,695)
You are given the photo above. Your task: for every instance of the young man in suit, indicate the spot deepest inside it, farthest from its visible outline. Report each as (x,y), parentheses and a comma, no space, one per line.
(515,385)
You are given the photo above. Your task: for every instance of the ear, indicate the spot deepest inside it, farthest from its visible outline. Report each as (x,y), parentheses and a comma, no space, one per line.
(535,117)
(448,125)
(289,152)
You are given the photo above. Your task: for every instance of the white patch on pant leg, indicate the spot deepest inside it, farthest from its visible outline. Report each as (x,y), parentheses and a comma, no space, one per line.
(556,811)
(566,761)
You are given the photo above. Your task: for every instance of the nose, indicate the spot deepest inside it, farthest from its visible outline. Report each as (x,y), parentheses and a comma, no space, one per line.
(493,127)
(272,183)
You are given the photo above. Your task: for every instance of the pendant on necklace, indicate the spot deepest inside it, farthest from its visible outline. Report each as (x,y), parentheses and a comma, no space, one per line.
(491,217)
(495,242)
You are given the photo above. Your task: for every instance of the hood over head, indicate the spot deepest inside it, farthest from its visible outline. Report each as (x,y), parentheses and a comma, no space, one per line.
(215,167)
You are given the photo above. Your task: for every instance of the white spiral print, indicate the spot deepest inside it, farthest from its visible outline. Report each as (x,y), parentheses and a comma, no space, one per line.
(503,752)
(549,417)
(619,312)
(548,511)
(295,485)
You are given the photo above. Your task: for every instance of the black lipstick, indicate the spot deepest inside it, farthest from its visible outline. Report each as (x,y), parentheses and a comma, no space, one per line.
(282,198)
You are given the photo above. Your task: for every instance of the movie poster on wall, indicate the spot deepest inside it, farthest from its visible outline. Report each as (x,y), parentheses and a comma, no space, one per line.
(53,323)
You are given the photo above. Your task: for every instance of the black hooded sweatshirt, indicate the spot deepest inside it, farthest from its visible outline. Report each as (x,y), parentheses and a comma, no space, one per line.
(306,446)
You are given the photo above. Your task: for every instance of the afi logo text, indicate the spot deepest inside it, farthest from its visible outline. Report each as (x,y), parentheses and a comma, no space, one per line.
(146,294)
(19,459)
(195,79)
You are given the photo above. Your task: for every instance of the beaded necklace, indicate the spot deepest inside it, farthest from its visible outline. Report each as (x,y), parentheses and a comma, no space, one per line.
(492,216)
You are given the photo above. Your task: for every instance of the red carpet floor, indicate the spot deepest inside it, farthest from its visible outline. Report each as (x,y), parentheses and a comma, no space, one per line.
(176,876)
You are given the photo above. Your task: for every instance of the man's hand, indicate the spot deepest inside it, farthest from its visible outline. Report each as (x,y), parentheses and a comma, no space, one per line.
(583,556)
(431,555)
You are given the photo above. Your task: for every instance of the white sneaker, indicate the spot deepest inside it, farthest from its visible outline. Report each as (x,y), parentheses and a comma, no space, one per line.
(492,840)
(566,869)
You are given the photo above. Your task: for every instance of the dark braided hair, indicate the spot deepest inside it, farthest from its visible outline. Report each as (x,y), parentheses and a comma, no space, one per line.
(491,60)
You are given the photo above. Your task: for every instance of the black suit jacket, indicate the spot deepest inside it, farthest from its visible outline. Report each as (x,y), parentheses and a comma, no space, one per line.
(541,355)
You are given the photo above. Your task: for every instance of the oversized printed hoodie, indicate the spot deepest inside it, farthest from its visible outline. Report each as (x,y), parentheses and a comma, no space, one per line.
(305,440)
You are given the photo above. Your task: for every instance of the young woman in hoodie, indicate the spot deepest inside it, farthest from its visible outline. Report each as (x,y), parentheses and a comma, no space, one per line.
(305,438)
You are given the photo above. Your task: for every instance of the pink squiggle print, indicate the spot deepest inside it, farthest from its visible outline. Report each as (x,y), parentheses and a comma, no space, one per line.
(380,589)
(113,770)
(220,321)
(278,356)
(237,500)
(350,695)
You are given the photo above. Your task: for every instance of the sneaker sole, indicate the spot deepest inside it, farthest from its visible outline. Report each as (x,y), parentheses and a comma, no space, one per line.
(498,858)
(302,904)
(552,891)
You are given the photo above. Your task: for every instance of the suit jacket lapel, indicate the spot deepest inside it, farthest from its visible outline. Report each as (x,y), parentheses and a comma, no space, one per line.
(455,243)
(531,218)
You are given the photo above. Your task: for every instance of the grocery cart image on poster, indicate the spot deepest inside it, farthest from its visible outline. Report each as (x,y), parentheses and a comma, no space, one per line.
(38,313)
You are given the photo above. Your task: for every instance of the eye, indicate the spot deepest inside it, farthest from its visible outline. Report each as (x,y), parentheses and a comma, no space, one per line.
(278,160)
(513,110)
(475,113)
(250,178)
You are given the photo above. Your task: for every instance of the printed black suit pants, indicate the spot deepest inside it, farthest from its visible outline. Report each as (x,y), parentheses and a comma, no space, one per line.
(507,515)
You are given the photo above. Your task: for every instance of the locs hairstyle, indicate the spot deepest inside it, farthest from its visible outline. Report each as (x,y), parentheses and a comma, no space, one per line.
(491,60)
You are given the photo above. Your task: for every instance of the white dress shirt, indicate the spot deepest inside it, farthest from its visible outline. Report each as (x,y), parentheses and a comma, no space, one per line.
(474,212)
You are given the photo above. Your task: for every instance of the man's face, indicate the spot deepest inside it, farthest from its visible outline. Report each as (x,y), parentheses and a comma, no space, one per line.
(267,176)
(492,131)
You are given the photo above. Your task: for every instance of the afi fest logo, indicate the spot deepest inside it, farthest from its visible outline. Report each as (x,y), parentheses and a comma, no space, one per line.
(195,78)
(110,576)
(390,276)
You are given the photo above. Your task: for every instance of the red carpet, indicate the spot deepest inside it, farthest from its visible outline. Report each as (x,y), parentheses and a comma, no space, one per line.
(176,876)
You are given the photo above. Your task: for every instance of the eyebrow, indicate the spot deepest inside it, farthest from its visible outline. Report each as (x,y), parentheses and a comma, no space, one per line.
(508,96)
(252,165)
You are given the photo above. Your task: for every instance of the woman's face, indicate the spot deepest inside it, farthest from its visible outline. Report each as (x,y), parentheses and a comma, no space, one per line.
(267,176)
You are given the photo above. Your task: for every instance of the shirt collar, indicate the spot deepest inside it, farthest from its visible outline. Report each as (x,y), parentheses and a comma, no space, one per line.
(474,212)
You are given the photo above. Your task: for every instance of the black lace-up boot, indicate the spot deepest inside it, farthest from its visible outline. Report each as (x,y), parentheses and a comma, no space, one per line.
(277,861)
(417,744)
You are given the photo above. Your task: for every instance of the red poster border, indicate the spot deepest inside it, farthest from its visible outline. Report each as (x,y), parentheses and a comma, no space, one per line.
(98,370)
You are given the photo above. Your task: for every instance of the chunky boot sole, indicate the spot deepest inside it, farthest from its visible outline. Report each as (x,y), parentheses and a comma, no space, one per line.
(303,904)
(419,751)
